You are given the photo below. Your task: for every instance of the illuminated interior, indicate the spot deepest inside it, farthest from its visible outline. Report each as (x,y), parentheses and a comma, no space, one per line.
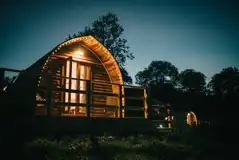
(81,72)
(75,63)
(191,119)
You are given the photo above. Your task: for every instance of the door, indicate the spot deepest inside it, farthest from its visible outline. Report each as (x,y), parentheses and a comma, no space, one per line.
(77,74)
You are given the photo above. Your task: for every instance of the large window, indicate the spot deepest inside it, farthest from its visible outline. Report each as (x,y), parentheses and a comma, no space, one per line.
(79,71)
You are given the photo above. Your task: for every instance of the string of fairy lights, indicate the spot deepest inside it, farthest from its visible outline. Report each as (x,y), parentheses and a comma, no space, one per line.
(110,65)
(106,58)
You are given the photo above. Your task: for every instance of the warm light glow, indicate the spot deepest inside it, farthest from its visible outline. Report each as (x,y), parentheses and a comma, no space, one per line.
(145,105)
(168,118)
(67,80)
(81,72)
(72,70)
(73,82)
(123,113)
(79,53)
(169,125)
(191,119)
(100,51)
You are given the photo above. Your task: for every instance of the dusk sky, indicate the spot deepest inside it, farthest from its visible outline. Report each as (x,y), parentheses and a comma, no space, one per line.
(195,34)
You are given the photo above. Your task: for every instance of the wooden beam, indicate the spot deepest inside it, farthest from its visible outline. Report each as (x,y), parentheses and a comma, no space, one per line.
(145,104)
(70,75)
(133,98)
(70,104)
(106,94)
(120,100)
(104,106)
(68,90)
(134,108)
(49,95)
(88,98)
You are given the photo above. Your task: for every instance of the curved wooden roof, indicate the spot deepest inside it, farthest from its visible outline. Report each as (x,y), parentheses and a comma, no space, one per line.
(69,47)
(65,49)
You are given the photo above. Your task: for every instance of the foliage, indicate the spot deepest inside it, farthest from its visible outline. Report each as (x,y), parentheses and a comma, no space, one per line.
(224,87)
(157,73)
(225,82)
(160,77)
(193,81)
(185,91)
(132,147)
(193,90)
(127,79)
(108,31)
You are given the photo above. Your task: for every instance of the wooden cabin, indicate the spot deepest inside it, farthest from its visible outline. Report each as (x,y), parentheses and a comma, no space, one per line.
(81,78)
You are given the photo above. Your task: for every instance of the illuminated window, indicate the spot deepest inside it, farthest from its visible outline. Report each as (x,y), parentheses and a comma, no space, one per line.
(81,72)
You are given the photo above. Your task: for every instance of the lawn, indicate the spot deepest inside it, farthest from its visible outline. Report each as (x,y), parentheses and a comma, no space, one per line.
(135,147)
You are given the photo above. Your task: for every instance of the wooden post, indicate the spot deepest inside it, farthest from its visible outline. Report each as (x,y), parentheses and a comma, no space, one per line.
(62,94)
(2,74)
(145,104)
(149,102)
(169,116)
(120,100)
(49,95)
(88,98)
(69,93)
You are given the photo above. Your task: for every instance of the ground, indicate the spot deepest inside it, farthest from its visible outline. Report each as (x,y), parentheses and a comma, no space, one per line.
(189,146)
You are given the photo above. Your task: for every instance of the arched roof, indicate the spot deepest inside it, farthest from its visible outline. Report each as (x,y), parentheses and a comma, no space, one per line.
(43,64)
(93,45)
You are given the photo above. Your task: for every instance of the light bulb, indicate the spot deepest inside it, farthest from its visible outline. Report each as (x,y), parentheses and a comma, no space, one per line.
(79,53)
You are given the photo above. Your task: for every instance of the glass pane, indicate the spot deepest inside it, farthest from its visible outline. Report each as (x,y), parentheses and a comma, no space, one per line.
(82,86)
(73,84)
(80,72)
(73,98)
(66,97)
(82,98)
(74,70)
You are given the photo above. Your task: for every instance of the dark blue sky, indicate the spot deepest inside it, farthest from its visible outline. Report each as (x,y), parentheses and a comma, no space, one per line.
(196,34)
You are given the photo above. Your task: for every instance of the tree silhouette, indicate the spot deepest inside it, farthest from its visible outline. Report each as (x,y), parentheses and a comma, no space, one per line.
(185,91)
(158,73)
(161,78)
(224,88)
(108,31)
(226,82)
(192,81)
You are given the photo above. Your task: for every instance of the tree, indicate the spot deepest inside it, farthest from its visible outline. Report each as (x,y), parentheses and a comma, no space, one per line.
(225,82)
(108,31)
(192,81)
(224,88)
(161,78)
(158,73)
(193,90)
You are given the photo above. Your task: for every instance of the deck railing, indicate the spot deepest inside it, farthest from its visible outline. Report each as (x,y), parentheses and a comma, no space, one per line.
(121,99)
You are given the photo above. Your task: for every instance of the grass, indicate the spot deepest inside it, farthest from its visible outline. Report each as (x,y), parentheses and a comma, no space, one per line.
(138,147)
(196,144)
